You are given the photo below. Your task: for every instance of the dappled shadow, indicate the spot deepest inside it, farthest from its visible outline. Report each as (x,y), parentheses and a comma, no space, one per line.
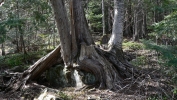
(151,83)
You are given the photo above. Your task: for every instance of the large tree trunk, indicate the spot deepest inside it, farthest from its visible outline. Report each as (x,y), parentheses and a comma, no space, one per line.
(79,52)
(108,66)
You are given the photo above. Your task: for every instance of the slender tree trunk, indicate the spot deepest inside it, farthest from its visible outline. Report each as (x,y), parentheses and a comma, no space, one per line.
(28,42)
(103,18)
(109,16)
(144,23)
(138,21)
(3,49)
(54,40)
(54,37)
(28,38)
(128,20)
(158,15)
(22,41)
(49,42)
(105,36)
(136,35)
(17,43)
(17,37)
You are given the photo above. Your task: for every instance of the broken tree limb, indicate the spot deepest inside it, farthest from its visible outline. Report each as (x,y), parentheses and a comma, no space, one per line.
(20,79)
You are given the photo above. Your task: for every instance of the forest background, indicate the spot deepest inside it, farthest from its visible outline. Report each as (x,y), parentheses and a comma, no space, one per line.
(28,31)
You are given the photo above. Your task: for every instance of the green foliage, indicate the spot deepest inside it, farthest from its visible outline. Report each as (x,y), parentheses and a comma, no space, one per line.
(157,97)
(94,15)
(21,59)
(2,58)
(14,60)
(139,61)
(168,57)
(38,54)
(169,53)
(175,91)
(10,23)
(64,96)
(26,18)
(132,45)
(2,33)
(38,16)
(15,22)
(166,27)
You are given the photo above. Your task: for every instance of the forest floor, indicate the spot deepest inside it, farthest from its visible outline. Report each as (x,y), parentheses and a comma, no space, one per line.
(152,84)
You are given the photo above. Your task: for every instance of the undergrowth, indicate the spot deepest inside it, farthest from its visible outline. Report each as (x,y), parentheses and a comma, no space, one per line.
(168,57)
(64,96)
(139,61)
(132,45)
(19,59)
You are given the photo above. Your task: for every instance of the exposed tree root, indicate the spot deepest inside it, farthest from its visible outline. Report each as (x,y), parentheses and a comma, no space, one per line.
(105,65)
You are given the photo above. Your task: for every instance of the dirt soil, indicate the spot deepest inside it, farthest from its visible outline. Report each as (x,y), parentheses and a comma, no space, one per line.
(152,84)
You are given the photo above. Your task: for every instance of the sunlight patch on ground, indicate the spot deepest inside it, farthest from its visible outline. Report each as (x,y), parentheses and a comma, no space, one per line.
(45,96)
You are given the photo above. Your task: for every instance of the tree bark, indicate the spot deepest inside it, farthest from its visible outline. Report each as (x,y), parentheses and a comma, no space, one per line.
(64,32)
(103,18)
(117,33)
(80,24)
(79,52)
(109,66)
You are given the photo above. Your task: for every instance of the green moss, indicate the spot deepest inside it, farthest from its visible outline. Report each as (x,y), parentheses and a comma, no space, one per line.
(55,76)
(64,96)
(141,60)
(157,97)
(19,59)
(132,45)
